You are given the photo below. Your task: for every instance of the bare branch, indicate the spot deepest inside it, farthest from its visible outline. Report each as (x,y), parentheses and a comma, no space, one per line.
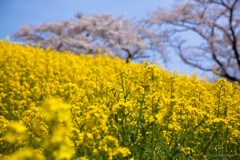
(234,38)
(180,53)
(216,23)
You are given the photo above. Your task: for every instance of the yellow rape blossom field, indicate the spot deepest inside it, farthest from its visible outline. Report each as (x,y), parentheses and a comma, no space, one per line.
(62,106)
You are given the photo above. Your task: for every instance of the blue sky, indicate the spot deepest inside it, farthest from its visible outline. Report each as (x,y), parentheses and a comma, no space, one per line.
(15,13)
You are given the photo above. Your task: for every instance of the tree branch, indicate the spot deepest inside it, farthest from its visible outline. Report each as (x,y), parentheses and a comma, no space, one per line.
(179,47)
(234,38)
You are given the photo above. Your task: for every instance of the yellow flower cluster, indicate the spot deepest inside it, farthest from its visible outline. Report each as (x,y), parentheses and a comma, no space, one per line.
(62,106)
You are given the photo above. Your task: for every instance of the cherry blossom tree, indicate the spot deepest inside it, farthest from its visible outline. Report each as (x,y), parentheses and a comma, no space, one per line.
(88,34)
(215,27)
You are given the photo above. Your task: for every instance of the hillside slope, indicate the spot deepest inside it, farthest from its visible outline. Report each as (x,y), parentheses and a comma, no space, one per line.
(62,106)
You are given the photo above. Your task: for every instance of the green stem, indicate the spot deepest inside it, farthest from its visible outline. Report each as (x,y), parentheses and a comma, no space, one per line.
(123,129)
(152,154)
(206,148)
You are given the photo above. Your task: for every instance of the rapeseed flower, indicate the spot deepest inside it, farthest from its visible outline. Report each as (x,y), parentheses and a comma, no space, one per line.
(62,106)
